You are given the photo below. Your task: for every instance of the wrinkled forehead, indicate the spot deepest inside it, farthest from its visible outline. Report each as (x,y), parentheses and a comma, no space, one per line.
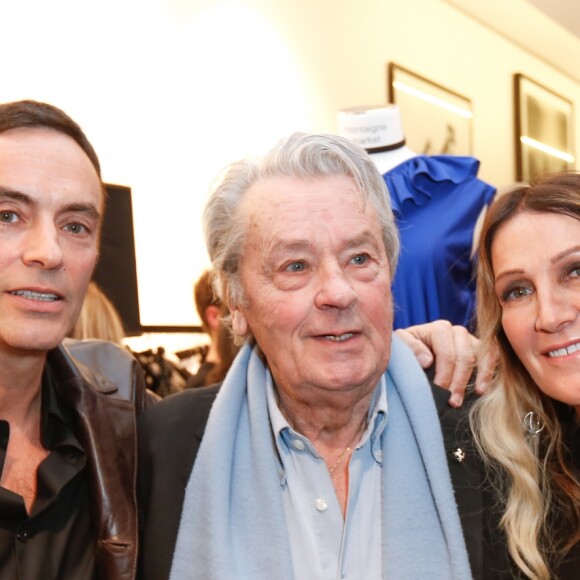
(279,193)
(307,209)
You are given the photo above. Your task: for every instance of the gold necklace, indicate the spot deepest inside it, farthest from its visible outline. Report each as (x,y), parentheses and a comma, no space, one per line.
(331,469)
(348,449)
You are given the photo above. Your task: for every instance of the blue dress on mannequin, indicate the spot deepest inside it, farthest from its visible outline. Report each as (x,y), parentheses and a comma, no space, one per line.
(437,201)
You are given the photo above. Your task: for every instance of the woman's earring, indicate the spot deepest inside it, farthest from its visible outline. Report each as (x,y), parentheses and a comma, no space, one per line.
(533,424)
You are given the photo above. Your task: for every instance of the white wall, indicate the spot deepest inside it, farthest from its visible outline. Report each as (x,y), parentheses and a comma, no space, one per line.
(169,91)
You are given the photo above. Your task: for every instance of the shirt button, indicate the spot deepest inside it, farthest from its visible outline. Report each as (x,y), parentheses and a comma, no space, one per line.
(298,444)
(23,536)
(320,504)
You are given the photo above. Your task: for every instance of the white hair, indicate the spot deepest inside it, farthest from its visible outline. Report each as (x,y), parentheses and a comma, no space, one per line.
(301,156)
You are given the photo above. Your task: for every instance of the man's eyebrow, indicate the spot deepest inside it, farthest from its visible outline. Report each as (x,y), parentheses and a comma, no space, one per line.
(8,193)
(366,237)
(86,208)
(291,245)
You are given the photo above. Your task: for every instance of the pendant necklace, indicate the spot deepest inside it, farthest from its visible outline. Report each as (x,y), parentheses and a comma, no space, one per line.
(348,448)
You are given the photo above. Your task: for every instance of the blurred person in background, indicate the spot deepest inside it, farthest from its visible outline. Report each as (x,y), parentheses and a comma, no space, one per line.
(218,356)
(98,318)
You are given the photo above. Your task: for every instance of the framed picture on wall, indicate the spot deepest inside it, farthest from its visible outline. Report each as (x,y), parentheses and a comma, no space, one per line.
(543,130)
(436,120)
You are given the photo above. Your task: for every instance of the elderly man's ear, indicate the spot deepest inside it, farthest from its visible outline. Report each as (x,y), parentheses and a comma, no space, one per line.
(239,323)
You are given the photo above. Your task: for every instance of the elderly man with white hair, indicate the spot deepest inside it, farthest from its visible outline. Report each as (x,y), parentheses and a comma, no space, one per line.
(321,455)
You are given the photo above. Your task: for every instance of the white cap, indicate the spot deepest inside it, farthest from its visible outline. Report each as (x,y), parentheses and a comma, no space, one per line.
(374,127)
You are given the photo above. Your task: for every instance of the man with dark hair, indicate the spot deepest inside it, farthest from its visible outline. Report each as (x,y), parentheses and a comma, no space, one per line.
(205,298)
(217,357)
(67,432)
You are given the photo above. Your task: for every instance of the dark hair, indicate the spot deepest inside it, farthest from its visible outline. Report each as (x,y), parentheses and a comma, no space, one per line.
(33,114)
(226,347)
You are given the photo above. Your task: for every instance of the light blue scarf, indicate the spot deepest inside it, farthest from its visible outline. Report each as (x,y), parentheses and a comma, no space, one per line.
(233,525)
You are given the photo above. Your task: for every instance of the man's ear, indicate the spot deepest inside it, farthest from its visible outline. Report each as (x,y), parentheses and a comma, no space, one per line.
(239,323)
(213,316)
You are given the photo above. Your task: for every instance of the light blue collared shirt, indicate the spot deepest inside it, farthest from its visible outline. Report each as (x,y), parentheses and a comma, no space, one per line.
(324,545)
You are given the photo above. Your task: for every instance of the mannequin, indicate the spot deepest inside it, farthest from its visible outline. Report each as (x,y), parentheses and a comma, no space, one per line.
(438,202)
(379,130)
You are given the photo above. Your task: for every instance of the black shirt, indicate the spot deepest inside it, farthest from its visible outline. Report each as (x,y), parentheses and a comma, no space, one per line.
(56,540)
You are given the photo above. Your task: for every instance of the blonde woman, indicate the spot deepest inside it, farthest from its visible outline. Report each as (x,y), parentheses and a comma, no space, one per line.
(527,427)
(98,318)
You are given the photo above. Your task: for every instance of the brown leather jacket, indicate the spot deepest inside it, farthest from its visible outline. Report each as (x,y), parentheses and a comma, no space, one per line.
(104,389)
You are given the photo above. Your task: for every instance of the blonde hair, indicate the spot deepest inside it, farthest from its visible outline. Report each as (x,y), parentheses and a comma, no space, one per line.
(531,473)
(98,318)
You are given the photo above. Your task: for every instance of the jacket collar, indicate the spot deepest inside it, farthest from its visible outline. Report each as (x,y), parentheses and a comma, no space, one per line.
(68,369)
